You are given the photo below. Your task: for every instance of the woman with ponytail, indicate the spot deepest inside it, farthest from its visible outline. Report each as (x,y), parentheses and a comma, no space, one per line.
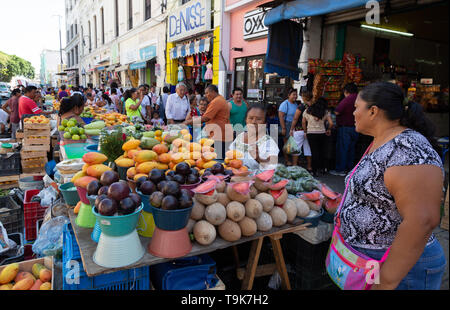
(71,107)
(394,194)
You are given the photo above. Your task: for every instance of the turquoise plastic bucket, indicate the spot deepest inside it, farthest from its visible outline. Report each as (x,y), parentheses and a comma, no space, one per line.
(75,150)
(171,219)
(70,193)
(146,201)
(116,226)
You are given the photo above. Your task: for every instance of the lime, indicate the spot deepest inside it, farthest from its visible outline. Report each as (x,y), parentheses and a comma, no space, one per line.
(73,119)
(81,131)
(75,137)
(64,122)
(67,129)
(74,131)
(67,135)
(61,128)
(83,137)
(71,124)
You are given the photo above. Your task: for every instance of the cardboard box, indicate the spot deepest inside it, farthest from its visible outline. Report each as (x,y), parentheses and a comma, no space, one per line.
(28,265)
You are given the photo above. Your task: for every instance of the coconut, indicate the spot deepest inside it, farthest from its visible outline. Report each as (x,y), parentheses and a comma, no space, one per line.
(248,226)
(266,200)
(235,211)
(253,208)
(215,213)
(221,186)
(230,231)
(235,196)
(237,179)
(198,210)
(190,225)
(279,217)
(302,207)
(282,198)
(261,185)
(313,206)
(253,192)
(206,199)
(264,222)
(291,210)
(204,232)
(223,199)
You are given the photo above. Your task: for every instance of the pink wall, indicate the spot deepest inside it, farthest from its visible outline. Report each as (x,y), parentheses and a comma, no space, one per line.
(252,47)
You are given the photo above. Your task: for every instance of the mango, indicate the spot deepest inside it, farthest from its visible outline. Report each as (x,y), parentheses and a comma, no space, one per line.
(144,156)
(149,143)
(206,142)
(94,158)
(84,181)
(132,153)
(206,149)
(46,286)
(22,275)
(234,154)
(162,166)
(195,155)
(124,162)
(207,156)
(146,167)
(77,208)
(130,145)
(9,273)
(36,286)
(96,171)
(41,272)
(84,169)
(164,158)
(191,162)
(24,284)
(209,164)
(137,176)
(180,143)
(160,149)
(6,287)
(131,172)
(78,175)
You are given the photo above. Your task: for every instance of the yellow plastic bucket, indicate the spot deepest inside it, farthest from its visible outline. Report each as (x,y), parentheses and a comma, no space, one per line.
(146,224)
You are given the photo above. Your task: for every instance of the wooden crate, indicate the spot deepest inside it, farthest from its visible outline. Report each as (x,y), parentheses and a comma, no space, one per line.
(10,181)
(34,171)
(19,134)
(35,141)
(34,161)
(27,126)
(36,148)
(36,132)
(28,265)
(33,174)
(444,221)
(32,154)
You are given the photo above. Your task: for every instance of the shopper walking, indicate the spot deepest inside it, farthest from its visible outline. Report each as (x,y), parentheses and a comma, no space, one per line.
(297,130)
(238,110)
(11,107)
(162,100)
(346,133)
(313,124)
(394,196)
(286,114)
(116,101)
(63,93)
(177,105)
(146,104)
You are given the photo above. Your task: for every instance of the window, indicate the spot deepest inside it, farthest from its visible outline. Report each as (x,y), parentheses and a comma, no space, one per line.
(116,11)
(130,14)
(90,41)
(184,1)
(148,9)
(95,31)
(103,24)
(76,55)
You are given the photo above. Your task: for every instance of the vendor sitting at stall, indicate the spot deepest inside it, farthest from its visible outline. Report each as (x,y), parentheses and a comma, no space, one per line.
(71,107)
(259,149)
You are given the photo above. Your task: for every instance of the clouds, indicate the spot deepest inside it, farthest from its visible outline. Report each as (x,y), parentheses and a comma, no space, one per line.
(27,27)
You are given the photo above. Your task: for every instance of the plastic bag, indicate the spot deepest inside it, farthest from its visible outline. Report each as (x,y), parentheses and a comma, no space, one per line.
(48,196)
(50,238)
(291,147)
(4,241)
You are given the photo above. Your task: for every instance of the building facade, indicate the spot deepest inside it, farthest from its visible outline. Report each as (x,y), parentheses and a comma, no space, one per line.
(49,67)
(73,42)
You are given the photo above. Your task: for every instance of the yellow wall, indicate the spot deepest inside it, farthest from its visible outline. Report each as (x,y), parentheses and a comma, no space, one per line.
(216,59)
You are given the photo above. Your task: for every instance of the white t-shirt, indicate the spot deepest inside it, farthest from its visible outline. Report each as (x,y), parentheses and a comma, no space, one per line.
(177,108)
(145,102)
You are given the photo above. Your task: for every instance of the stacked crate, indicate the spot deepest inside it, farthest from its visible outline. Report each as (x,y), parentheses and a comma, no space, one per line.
(35,145)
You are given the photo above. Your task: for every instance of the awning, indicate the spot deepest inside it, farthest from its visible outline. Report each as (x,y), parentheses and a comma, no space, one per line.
(103,61)
(138,65)
(194,47)
(122,68)
(306,8)
(101,68)
(111,68)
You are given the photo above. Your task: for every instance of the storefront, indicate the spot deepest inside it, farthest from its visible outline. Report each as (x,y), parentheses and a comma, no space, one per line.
(192,50)
(248,45)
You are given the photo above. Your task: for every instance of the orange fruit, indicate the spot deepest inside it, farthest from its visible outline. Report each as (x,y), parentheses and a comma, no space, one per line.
(164,158)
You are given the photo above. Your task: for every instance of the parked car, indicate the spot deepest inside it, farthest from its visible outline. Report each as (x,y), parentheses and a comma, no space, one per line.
(5,92)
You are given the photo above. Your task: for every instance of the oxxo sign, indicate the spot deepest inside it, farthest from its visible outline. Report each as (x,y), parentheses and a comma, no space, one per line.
(254,25)
(192,18)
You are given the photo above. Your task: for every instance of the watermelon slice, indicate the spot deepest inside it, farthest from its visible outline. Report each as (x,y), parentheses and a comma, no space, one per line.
(218,177)
(328,192)
(332,205)
(280,185)
(276,193)
(266,176)
(242,188)
(312,196)
(206,187)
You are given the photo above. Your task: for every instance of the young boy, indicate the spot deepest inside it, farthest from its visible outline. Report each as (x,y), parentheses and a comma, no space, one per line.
(156,120)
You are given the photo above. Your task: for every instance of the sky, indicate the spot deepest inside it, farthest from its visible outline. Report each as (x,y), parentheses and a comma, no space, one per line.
(27,27)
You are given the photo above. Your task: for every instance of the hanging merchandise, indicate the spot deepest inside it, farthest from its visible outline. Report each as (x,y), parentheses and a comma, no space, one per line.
(190,61)
(188,71)
(180,74)
(209,72)
(197,77)
(203,73)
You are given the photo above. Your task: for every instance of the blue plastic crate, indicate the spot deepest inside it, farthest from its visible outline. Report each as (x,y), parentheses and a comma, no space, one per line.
(130,279)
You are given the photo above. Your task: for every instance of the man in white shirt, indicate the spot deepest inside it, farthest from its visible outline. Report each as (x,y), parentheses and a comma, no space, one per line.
(144,98)
(177,105)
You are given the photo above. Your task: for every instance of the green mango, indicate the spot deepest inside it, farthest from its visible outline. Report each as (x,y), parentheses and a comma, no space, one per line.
(148,143)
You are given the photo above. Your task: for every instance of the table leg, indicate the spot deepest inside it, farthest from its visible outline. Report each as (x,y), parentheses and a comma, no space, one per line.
(281,265)
(247,282)
(236,258)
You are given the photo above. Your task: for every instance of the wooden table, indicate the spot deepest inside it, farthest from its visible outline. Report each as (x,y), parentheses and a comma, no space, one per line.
(88,247)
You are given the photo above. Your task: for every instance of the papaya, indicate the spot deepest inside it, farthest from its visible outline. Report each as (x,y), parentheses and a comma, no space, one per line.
(94,158)
(130,145)
(46,286)
(164,158)
(149,143)
(36,286)
(195,147)
(169,138)
(209,164)
(6,287)
(41,272)
(234,154)
(265,176)
(96,171)
(206,142)
(144,156)
(9,273)
(84,169)
(137,176)
(146,167)
(84,181)
(312,196)
(160,149)
(280,185)
(132,153)
(24,284)
(78,175)
(131,172)
(77,208)
(209,156)
(124,162)
(22,275)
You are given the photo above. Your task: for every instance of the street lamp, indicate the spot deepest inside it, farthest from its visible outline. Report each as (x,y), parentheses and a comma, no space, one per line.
(60,40)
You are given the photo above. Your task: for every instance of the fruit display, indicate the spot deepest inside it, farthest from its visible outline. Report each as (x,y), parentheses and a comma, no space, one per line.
(112,119)
(114,197)
(37,119)
(71,130)
(87,112)
(13,277)
(93,168)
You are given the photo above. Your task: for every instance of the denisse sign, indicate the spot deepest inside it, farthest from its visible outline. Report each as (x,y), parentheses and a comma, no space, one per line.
(192,18)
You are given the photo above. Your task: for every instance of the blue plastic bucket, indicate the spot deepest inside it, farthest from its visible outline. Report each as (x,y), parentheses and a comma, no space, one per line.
(171,219)
(116,226)
(146,201)
(87,120)
(92,148)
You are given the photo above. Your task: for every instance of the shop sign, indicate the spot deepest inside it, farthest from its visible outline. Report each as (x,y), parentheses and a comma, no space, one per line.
(254,25)
(148,52)
(240,68)
(426,81)
(192,18)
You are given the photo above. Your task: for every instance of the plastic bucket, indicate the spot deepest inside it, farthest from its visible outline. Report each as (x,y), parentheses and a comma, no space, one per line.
(92,148)
(116,226)
(171,219)
(146,201)
(146,225)
(87,120)
(190,187)
(82,192)
(95,235)
(170,244)
(85,218)
(327,217)
(31,183)
(122,171)
(313,220)
(92,200)
(132,185)
(75,150)
(69,193)
(116,252)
